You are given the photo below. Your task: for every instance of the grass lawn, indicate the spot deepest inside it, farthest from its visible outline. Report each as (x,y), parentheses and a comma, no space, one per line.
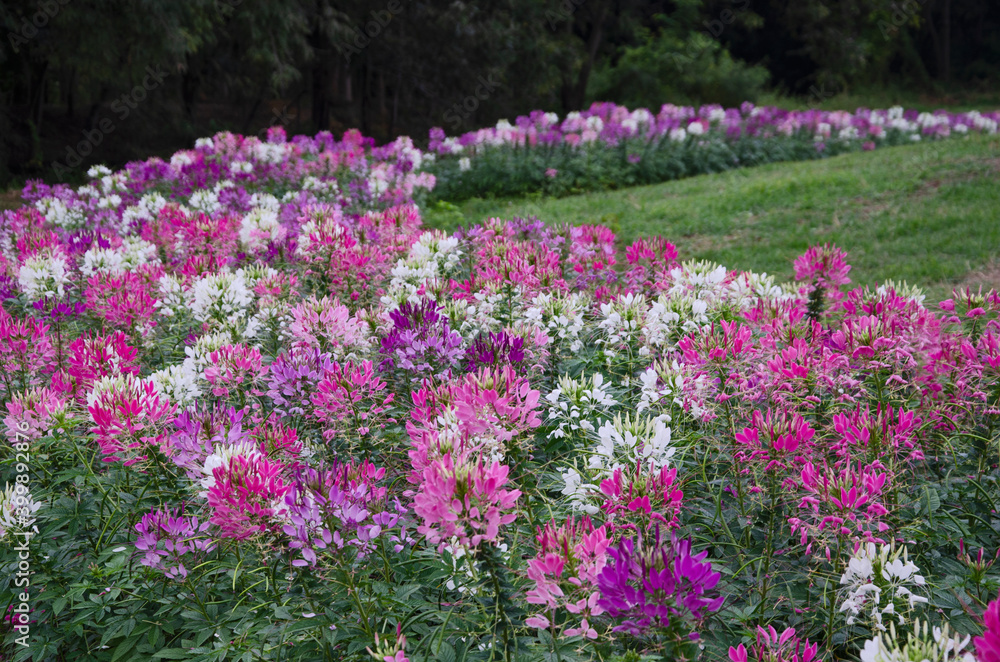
(927,213)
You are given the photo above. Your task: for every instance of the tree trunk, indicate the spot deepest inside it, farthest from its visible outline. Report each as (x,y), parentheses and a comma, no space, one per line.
(596,34)
(946,41)
(320,103)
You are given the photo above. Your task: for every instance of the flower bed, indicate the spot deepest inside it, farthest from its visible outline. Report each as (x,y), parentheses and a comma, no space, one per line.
(609,146)
(256,412)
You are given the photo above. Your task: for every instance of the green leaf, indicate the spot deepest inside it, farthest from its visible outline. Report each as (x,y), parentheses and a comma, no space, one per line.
(123,648)
(445,652)
(172,654)
(931,502)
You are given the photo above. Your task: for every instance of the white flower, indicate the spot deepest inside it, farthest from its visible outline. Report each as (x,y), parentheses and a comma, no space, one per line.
(43,276)
(464,163)
(259,227)
(220,297)
(17,508)
(178,383)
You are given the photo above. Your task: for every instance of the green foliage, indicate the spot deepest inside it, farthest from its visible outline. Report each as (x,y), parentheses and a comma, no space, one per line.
(677,62)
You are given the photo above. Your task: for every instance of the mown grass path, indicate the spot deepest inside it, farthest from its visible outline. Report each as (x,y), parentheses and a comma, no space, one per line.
(927,213)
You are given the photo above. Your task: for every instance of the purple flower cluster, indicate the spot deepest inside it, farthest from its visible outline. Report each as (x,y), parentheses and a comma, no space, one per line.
(339,508)
(421,340)
(293,377)
(165,536)
(494,349)
(657,584)
(198,434)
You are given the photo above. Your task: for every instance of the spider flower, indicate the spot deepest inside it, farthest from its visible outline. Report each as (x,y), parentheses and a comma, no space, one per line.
(461,496)
(248,493)
(988,644)
(166,536)
(654,585)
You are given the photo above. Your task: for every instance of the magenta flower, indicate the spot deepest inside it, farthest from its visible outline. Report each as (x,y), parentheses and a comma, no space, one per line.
(641,498)
(988,644)
(354,394)
(247,495)
(231,366)
(129,416)
(774,647)
(825,266)
(657,585)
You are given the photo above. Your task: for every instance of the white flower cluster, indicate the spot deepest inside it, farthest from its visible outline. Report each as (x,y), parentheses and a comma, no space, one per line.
(925,644)
(56,212)
(145,209)
(626,441)
(323,189)
(270,152)
(622,442)
(431,260)
(261,225)
(178,383)
(622,324)
(134,252)
(13,500)
(43,276)
(575,403)
(220,296)
(206,200)
(560,316)
(479,316)
(653,393)
(877,580)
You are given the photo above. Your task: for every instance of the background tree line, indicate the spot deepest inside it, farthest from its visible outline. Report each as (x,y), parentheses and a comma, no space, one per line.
(85,81)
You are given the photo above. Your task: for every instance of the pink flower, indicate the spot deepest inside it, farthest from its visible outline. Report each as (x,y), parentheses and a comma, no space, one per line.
(462,497)
(537,621)
(246,495)
(988,645)
(232,365)
(824,265)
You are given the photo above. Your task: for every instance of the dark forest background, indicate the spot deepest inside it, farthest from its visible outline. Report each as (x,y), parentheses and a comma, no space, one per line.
(85,81)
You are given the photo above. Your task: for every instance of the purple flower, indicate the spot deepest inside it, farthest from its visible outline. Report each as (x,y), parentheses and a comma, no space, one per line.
(292,378)
(166,535)
(421,340)
(337,508)
(657,584)
(494,349)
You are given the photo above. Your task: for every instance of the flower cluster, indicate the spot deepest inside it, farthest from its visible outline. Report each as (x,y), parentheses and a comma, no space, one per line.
(252,365)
